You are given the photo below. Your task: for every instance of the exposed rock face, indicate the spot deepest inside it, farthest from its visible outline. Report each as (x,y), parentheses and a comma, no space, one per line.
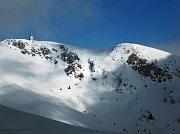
(151,70)
(70,58)
(45,50)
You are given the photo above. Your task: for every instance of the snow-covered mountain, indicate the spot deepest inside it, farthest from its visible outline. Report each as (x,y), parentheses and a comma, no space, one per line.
(128,89)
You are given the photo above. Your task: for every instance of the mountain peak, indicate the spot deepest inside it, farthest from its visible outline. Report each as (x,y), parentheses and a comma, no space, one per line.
(129,88)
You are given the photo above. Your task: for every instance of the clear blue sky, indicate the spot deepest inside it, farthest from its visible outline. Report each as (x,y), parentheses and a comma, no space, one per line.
(95,24)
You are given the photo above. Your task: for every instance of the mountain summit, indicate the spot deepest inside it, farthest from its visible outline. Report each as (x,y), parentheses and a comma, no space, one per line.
(129,89)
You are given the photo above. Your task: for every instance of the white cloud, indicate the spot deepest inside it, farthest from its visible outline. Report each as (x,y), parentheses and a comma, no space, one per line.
(18,16)
(172,47)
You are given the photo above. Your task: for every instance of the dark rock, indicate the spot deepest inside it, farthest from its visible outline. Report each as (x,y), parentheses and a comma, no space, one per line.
(54,49)
(21,45)
(148,69)
(45,50)
(172,101)
(69,57)
(150,117)
(91,65)
(55,62)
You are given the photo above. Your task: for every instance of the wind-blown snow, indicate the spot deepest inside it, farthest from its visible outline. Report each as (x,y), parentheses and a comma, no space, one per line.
(129,89)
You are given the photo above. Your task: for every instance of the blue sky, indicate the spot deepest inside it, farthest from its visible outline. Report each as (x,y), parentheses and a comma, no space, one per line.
(94,24)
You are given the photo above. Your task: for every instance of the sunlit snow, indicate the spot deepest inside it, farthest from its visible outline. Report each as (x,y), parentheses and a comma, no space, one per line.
(127,89)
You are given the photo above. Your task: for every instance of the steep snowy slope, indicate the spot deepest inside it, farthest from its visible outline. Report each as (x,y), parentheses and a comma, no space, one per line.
(129,89)
(16,122)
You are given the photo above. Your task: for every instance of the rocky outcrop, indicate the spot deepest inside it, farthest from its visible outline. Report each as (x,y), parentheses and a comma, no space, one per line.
(151,70)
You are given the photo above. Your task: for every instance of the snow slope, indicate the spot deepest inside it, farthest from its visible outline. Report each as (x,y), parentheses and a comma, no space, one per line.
(17,122)
(128,89)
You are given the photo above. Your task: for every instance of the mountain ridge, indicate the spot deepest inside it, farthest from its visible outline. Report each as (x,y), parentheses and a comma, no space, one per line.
(104,90)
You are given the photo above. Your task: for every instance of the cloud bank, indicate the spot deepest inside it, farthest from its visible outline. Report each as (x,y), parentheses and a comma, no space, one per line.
(172,47)
(19,16)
